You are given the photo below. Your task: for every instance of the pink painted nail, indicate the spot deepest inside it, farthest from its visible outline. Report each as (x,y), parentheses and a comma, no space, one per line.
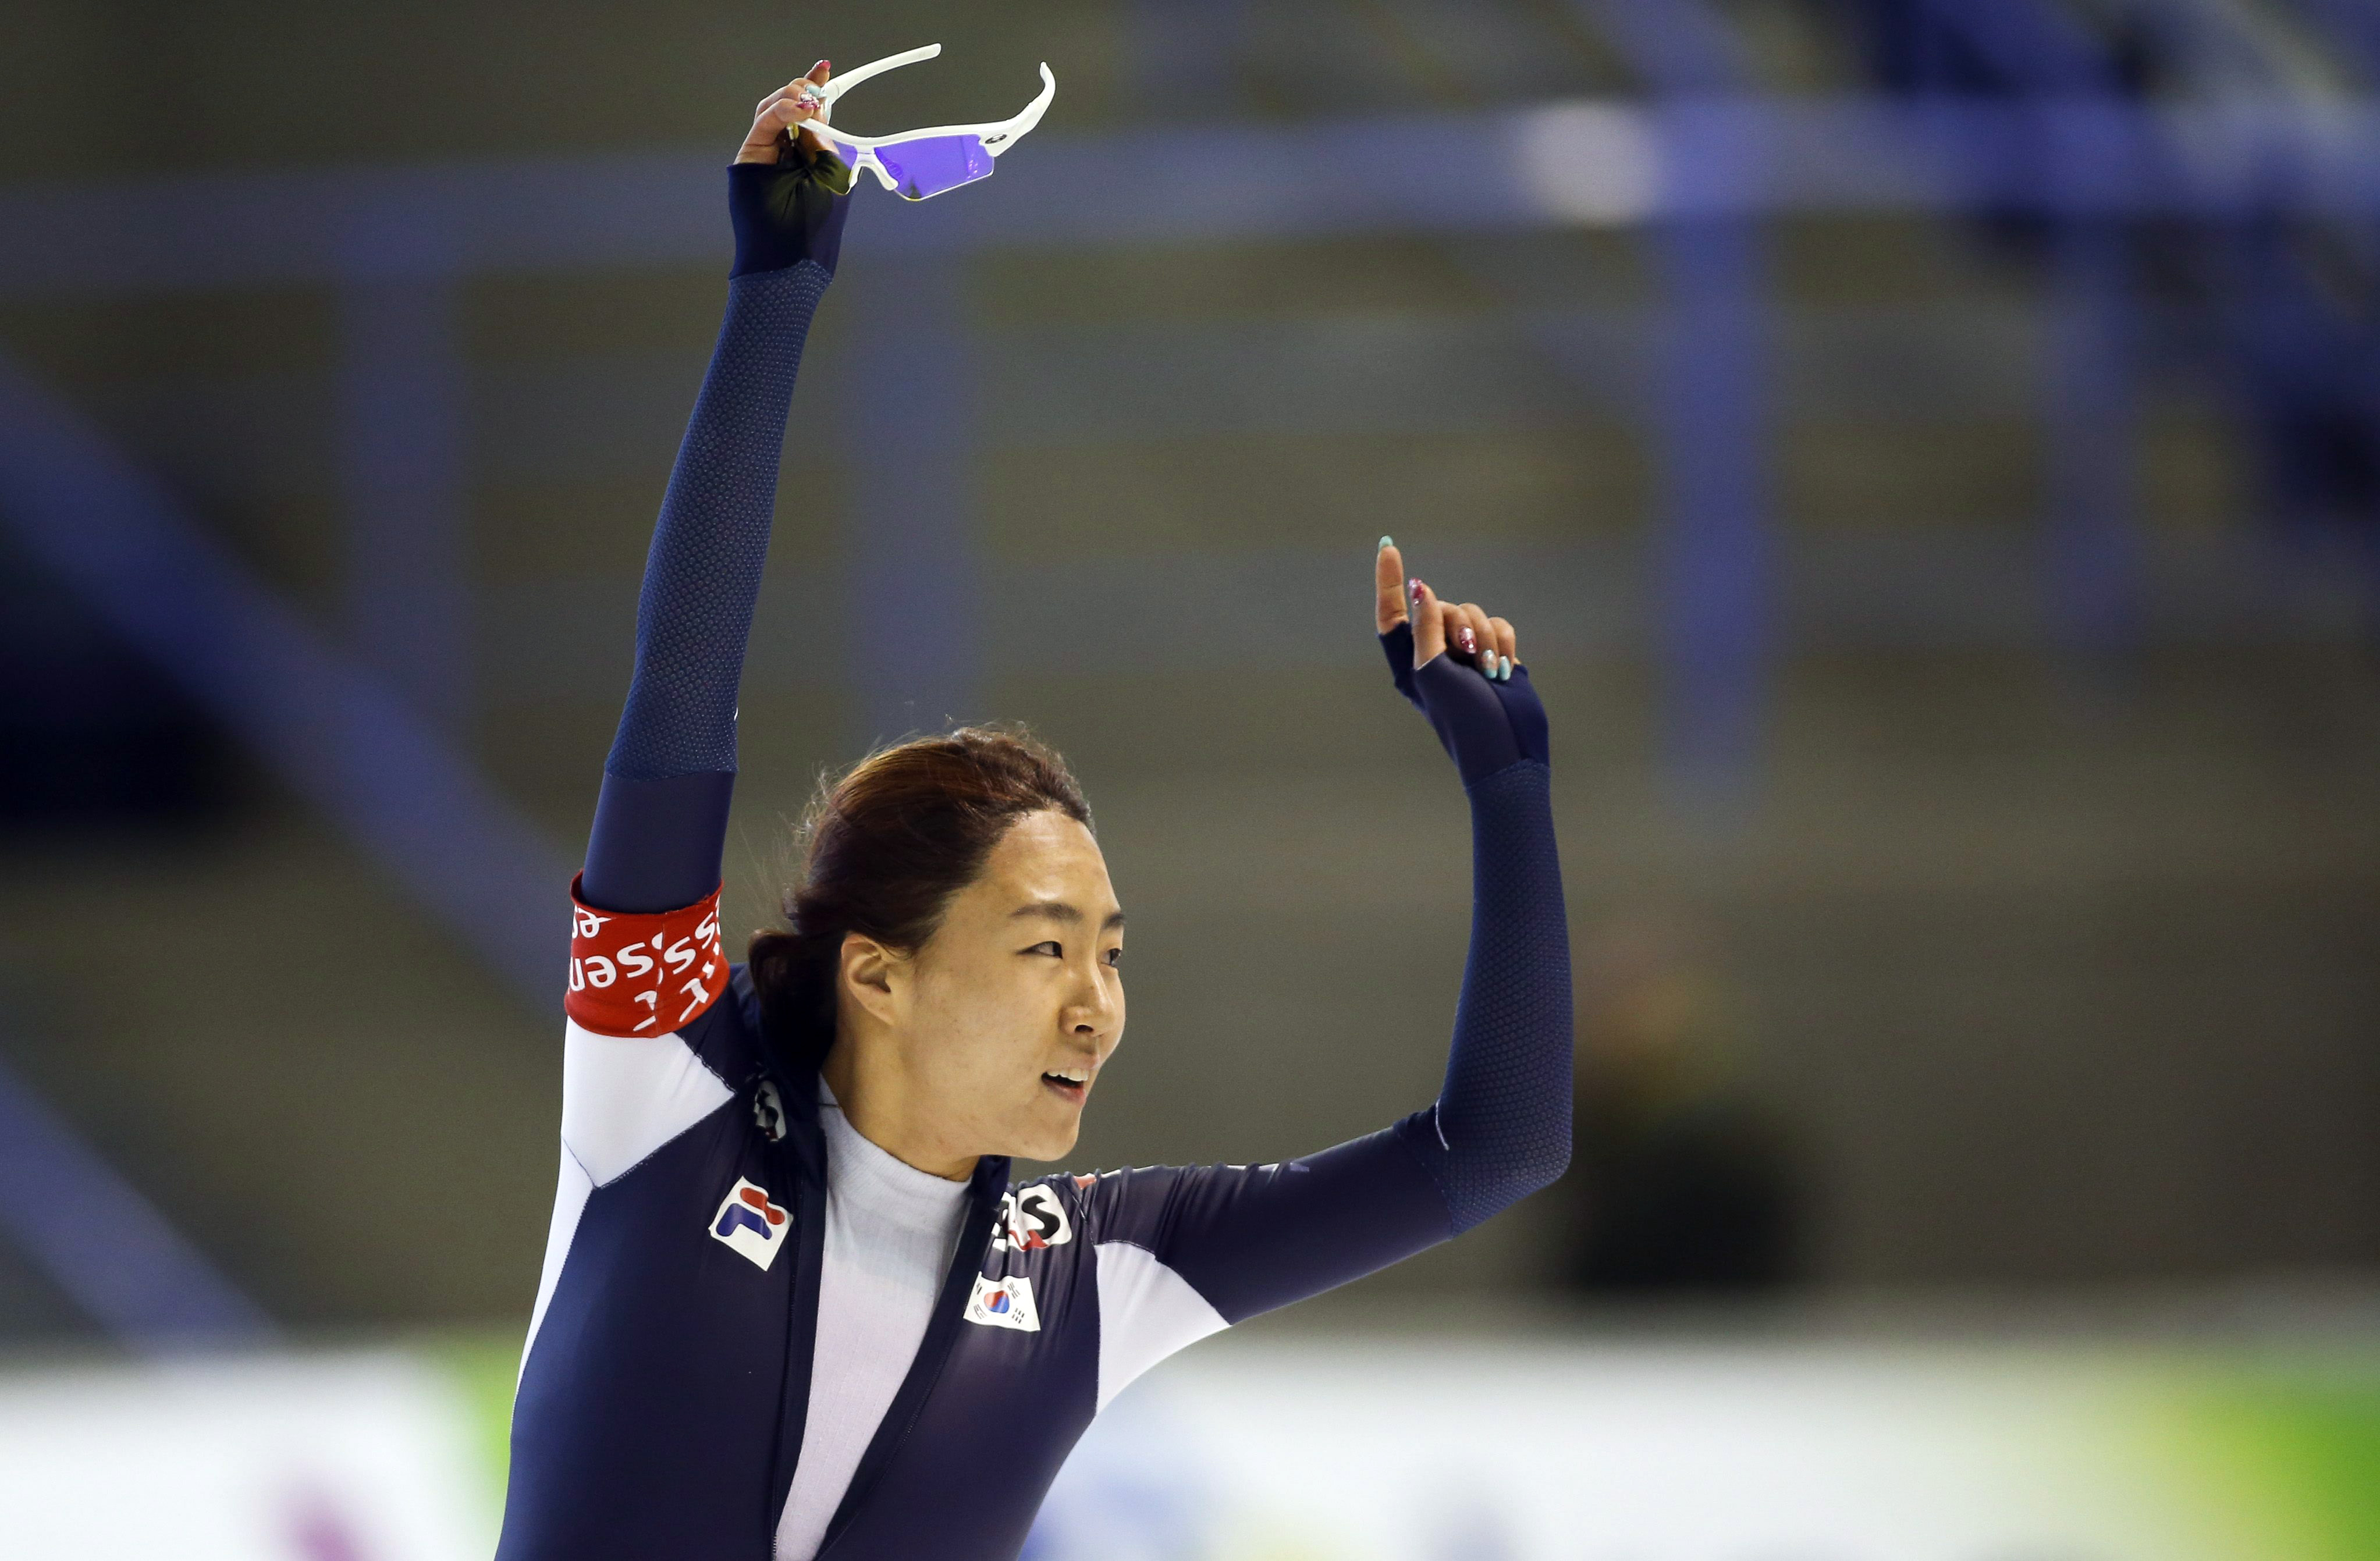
(1466,641)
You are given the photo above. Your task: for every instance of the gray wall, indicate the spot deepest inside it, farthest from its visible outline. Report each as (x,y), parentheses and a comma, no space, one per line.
(2052,972)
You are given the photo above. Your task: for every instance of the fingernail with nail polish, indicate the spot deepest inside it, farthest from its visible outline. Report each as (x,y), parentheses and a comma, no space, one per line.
(1386,542)
(1504,669)
(1466,641)
(1413,590)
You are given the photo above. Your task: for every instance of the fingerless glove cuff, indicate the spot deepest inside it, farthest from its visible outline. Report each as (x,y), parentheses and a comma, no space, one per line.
(787,213)
(1485,726)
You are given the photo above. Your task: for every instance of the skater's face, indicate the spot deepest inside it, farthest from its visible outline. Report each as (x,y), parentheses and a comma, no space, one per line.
(1004,1019)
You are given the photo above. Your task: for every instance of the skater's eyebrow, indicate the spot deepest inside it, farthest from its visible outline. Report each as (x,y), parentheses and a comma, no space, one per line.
(1060,911)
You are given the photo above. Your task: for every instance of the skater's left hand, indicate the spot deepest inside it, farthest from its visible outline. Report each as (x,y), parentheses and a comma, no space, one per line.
(1462,667)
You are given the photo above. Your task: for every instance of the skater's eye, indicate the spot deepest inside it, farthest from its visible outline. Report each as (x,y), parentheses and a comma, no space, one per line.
(1049,948)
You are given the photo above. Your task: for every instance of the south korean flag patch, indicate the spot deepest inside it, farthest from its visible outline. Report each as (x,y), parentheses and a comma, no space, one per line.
(1003,1303)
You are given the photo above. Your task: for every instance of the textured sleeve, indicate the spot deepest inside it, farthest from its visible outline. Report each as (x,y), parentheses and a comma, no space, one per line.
(660,820)
(1502,1126)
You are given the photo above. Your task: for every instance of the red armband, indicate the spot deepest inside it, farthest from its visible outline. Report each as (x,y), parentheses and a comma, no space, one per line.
(643,974)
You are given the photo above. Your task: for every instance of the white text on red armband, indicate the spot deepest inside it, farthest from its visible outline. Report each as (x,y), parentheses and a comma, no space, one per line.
(643,974)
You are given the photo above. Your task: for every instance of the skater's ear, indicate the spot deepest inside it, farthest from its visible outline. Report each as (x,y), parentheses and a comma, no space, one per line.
(873,975)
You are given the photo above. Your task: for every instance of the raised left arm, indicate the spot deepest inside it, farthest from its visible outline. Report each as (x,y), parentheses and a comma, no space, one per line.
(1502,1126)
(1186,1249)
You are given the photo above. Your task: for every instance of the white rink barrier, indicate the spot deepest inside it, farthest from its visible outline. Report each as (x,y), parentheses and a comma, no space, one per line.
(1281,1447)
(370,1457)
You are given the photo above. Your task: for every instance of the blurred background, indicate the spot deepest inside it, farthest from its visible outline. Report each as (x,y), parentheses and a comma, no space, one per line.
(1931,450)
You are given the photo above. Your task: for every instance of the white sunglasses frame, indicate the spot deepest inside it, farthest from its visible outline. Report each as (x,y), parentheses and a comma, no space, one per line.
(997,135)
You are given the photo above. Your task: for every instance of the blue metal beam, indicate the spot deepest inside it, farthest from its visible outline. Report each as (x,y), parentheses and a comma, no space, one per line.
(402,437)
(402,395)
(335,733)
(104,1245)
(1714,543)
(2032,49)
(1549,166)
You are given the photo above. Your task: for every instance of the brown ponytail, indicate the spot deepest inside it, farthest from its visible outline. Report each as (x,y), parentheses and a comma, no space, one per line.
(885,847)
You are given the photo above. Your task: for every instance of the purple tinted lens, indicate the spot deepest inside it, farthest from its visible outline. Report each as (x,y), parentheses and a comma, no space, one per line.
(933,165)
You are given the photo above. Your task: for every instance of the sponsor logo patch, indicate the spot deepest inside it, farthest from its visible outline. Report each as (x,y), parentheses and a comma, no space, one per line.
(1005,1303)
(643,974)
(749,1223)
(1030,1220)
(769,1111)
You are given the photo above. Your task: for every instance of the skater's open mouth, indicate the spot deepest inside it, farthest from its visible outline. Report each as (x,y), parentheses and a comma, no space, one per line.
(1073,1083)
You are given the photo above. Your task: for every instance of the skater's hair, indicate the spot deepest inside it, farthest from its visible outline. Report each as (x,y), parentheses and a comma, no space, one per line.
(884,847)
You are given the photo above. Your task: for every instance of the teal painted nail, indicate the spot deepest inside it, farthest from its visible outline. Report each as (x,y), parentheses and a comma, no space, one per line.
(1504,669)
(1386,543)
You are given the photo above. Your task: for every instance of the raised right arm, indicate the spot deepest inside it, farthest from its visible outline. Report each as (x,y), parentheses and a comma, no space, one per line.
(660,820)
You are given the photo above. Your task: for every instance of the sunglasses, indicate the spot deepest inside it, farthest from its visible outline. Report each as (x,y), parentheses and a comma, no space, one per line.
(919,163)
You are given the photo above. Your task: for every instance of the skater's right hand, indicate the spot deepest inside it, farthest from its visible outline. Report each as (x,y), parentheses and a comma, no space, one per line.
(773,122)
(786,190)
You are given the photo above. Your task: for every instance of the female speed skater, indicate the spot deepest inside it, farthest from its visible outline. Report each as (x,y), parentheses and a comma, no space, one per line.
(792,1305)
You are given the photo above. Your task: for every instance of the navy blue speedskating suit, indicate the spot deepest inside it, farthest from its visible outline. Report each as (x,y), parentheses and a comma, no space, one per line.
(663,1393)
